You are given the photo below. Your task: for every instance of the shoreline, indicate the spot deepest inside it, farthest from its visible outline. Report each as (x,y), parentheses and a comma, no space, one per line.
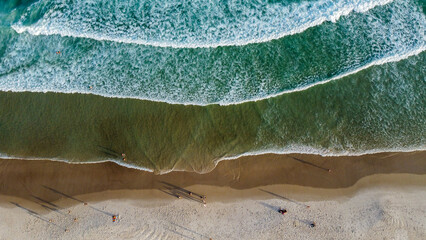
(237,157)
(24,178)
(365,197)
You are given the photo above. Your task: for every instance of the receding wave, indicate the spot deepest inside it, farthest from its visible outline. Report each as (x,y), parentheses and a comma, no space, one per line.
(188,24)
(5,156)
(296,150)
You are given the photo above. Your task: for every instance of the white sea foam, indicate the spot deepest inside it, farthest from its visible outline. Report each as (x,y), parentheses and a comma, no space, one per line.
(224,76)
(6,156)
(388,59)
(292,150)
(323,152)
(171,23)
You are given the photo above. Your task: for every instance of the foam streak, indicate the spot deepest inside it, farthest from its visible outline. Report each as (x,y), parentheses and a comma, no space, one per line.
(394,58)
(255,24)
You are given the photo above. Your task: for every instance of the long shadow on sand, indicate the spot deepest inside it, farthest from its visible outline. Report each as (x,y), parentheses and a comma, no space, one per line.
(189,230)
(46,202)
(282,197)
(180,234)
(36,215)
(274,208)
(47,205)
(179,192)
(311,164)
(20,177)
(78,200)
(309,223)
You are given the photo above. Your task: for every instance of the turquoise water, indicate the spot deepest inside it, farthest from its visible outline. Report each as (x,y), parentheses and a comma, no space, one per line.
(183,85)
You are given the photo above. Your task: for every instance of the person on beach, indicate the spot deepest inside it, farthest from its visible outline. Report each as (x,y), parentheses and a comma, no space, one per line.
(123,155)
(312,224)
(114,218)
(282,211)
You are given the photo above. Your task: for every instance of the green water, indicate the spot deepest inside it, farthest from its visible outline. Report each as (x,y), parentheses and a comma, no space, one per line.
(183,85)
(390,114)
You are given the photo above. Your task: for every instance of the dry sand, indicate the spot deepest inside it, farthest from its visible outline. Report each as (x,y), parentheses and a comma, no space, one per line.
(379,196)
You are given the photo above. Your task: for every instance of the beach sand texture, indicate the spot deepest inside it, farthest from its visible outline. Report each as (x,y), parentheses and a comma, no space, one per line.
(168,119)
(379,196)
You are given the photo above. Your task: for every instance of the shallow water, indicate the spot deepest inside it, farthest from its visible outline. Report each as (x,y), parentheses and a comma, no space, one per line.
(188,90)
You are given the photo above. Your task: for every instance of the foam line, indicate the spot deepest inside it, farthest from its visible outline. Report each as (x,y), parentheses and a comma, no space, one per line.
(5,156)
(302,150)
(394,58)
(388,59)
(324,153)
(282,21)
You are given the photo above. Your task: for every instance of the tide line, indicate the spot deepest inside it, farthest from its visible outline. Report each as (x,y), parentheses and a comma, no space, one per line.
(5,156)
(302,150)
(325,153)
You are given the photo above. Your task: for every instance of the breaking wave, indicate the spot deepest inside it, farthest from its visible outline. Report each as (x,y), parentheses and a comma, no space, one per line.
(188,24)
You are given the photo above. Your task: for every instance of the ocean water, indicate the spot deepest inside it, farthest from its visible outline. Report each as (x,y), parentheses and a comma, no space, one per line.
(181,85)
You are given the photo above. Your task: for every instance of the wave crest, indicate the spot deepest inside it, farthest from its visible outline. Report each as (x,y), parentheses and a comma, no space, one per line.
(204,76)
(188,24)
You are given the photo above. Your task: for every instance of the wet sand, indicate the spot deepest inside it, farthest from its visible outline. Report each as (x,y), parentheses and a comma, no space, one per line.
(378,196)
(23,179)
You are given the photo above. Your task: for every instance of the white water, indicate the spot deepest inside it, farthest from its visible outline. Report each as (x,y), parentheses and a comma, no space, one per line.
(394,58)
(5,156)
(293,150)
(130,71)
(172,25)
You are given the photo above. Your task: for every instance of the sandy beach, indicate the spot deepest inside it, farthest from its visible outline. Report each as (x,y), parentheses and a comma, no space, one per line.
(378,196)
(252,120)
